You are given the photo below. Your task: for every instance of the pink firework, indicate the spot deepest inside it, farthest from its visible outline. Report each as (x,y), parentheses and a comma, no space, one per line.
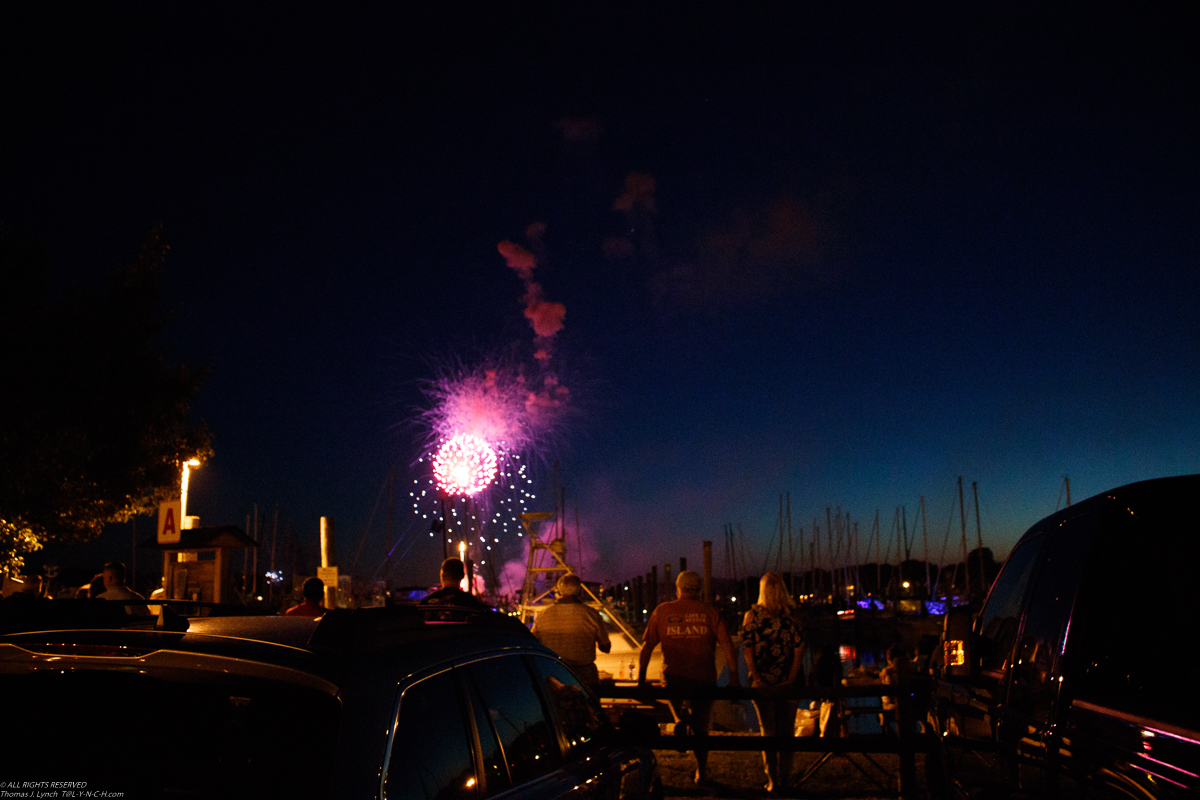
(465,465)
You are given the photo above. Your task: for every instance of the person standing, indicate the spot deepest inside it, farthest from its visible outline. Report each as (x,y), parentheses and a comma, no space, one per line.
(574,630)
(774,652)
(689,630)
(898,670)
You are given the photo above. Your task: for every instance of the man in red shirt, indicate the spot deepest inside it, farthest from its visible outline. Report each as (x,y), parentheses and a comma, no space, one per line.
(314,593)
(689,630)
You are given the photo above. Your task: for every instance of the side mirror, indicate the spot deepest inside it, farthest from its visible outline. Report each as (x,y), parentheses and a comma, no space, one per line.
(957,632)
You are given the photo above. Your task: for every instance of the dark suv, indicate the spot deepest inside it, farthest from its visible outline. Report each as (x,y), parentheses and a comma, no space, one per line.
(382,703)
(1077,677)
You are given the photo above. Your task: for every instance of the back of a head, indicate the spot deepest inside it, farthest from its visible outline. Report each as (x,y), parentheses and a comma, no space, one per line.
(314,590)
(568,586)
(773,594)
(117,570)
(689,584)
(452,571)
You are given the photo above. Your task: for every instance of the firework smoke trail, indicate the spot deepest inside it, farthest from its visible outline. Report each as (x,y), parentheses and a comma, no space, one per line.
(520,417)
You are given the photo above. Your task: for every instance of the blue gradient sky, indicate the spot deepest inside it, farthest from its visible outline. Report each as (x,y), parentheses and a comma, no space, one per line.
(887,248)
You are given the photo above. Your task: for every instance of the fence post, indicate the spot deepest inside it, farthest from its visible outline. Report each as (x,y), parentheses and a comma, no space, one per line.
(904,725)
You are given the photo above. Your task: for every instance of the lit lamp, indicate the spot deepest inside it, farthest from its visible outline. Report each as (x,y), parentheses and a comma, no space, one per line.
(183,491)
(462,556)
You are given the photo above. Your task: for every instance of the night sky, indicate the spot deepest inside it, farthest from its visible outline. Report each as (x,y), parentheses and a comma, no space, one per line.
(847,255)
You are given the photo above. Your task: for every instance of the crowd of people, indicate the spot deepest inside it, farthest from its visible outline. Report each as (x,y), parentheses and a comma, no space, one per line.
(689,631)
(691,635)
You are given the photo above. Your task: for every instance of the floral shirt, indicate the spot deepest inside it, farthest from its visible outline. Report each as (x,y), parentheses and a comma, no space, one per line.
(771,641)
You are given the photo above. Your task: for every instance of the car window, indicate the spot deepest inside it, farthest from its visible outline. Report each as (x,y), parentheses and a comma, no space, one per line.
(578,715)
(998,621)
(431,756)
(1061,563)
(495,769)
(518,717)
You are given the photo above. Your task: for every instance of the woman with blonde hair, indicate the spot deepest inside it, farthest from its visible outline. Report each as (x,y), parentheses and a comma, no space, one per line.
(774,651)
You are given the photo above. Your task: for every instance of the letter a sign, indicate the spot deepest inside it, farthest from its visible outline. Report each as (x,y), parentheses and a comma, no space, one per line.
(169,521)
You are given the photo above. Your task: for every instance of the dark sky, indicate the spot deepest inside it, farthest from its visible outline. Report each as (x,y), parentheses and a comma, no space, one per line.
(846,254)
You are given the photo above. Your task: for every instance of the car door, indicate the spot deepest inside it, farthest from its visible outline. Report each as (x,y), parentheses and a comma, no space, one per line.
(475,730)
(600,766)
(1133,718)
(517,728)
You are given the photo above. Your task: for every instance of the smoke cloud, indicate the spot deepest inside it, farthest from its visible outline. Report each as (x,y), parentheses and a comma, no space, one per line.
(758,254)
(545,317)
(638,195)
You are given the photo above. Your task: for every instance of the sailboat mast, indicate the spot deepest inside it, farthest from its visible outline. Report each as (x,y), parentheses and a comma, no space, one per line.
(832,555)
(791,552)
(779,555)
(878,554)
(962,513)
(925,538)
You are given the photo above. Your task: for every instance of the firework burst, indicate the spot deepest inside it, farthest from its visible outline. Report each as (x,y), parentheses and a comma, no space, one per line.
(464,465)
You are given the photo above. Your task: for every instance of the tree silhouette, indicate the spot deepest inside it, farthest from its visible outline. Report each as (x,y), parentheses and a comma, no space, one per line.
(93,418)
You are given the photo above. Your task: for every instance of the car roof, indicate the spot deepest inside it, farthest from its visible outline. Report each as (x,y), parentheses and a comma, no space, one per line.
(315,645)
(1180,486)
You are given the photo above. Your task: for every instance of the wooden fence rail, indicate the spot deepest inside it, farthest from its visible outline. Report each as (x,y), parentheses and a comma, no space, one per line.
(912,699)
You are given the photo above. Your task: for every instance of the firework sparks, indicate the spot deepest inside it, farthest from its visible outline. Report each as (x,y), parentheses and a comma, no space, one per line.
(464,465)
(483,419)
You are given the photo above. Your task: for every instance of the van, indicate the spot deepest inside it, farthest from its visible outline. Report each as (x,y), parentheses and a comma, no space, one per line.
(1077,677)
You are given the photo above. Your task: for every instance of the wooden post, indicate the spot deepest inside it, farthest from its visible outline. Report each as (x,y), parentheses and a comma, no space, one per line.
(905,728)
(328,558)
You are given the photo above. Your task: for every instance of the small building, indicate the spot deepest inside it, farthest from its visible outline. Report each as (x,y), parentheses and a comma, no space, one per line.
(200,566)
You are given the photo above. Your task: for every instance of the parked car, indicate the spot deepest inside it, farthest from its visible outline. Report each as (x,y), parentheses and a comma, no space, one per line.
(1077,677)
(382,702)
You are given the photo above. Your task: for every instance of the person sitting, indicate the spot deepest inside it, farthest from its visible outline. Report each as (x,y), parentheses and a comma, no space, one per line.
(451,593)
(314,593)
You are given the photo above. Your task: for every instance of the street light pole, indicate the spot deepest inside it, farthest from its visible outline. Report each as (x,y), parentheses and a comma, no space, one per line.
(183,490)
